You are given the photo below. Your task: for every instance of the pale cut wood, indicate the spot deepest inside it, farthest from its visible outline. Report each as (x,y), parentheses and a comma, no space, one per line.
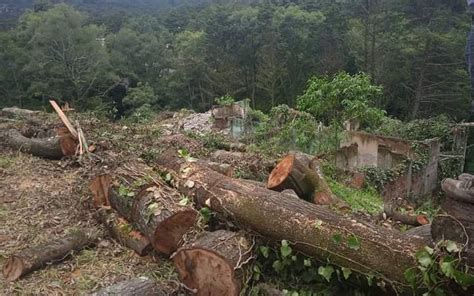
(134,287)
(64,118)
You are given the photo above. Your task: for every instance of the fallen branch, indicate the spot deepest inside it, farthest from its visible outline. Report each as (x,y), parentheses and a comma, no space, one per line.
(35,257)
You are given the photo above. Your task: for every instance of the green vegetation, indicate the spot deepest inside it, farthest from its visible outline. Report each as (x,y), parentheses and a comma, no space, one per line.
(366,200)
(412,52)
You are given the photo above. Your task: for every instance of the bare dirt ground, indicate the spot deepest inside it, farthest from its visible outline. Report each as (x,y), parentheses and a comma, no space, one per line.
(43,199)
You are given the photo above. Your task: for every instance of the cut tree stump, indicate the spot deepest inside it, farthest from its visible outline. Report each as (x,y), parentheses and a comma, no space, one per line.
(35,257)
(50,148)
(122,231)
(302,173)
(136,287)
(157,212)
(212,265)
(314,230)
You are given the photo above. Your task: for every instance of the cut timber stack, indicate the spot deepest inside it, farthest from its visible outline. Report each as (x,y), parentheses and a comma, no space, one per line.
(302,173)
(456,221)
(213,264)
(311,228)
(33,258)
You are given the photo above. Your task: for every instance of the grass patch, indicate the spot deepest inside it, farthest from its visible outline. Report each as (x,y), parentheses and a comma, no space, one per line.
(364,200)
(6,161)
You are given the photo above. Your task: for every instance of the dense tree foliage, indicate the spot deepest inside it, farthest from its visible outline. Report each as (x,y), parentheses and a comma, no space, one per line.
(187,53)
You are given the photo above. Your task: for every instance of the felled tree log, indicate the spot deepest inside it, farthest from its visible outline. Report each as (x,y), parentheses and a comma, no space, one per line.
(299,172)
(121,230)
(407,219)
(253,166)
(459,190)
(35,257)
(313,229)
(421,232)
(212,264)
(15,111)
(135,287)
(51,148)
(223,168)
(158,213)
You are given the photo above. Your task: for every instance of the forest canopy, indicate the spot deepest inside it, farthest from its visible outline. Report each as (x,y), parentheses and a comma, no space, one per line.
(186,56)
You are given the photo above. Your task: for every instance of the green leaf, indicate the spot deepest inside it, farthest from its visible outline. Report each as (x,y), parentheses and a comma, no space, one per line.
(447,266)
(326,272)
(346,272)
(452,247)
(353,243)
(463,279)
(317,224)
(285,249)
(429,250)
(264,251)
(410,276)
(307,262)
(168,177)
(277,265)
(337,238)
(424,258)
(184,202)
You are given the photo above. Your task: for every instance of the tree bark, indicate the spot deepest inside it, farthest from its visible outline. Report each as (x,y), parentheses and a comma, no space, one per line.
(157,213)
(135,287)
(302,173)
(421,232)
(213,263)
(312,229)
(407,219)
(50,148)
(33,258)
(14,111)
(121,230)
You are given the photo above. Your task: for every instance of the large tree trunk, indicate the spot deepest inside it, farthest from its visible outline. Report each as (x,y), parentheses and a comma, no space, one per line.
(134,287)
(50,148)
(212,264)
(33,258)
(303,174)
(312,229)
(121,230)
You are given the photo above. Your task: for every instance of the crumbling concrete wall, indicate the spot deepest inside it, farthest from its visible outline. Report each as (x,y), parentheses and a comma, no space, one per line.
(362,150)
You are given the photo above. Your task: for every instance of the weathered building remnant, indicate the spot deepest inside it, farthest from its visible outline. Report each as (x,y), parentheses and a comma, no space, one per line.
(231,116)
(418,177)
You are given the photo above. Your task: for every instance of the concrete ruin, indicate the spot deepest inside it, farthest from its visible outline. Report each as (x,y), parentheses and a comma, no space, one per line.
(363,150)
(231,116)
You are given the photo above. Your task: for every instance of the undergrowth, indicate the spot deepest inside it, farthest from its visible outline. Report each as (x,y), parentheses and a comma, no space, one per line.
(361,200)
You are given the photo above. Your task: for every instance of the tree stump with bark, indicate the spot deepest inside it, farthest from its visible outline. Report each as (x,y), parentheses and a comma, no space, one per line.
(33,258)
(212,264)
